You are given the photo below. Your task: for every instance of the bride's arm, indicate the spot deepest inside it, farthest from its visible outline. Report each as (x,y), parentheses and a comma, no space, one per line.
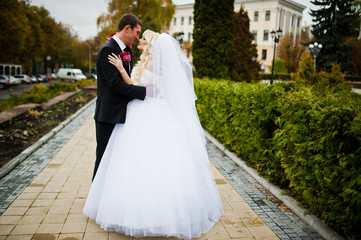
(117,62)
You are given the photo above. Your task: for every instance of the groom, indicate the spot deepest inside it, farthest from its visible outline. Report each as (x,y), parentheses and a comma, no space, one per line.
(113,93)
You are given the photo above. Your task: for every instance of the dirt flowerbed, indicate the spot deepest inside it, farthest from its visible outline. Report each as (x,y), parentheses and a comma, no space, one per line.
(21,132)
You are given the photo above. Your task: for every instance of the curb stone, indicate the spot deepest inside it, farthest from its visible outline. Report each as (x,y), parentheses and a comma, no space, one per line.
(24,154)
(16,111)
(325,231)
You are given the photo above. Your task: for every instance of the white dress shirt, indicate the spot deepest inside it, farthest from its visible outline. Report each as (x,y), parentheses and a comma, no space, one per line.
(122,47)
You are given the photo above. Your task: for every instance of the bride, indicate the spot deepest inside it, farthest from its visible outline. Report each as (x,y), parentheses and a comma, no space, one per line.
(154,178)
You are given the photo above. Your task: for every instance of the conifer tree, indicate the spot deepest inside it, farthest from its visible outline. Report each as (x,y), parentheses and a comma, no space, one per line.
(213,37)
(243,64)
(333,23)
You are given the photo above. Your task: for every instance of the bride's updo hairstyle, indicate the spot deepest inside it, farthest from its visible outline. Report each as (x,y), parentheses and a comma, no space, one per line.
(150,37)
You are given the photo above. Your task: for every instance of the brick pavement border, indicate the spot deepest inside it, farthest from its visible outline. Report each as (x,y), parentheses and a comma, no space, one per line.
(325,231)
(24,154)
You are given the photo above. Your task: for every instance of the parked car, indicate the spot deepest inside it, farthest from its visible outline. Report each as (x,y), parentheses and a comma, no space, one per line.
(23,78)
(4,82)
(14,80)
(34,79)
(46,77)
(40,78)
(54,76)
(91,76)
(70,74)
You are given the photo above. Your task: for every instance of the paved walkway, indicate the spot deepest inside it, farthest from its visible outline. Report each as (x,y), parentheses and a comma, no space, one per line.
(43,197)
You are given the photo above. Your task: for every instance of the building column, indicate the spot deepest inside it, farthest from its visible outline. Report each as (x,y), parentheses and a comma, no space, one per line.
(295,27)
(278,17)
(284,21)
(261,19)
(300,28)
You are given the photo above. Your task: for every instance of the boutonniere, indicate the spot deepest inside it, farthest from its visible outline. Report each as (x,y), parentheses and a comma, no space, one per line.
(126,57)
(110,36)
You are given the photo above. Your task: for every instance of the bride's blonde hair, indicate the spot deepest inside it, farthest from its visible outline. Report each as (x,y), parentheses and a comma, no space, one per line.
(142,64)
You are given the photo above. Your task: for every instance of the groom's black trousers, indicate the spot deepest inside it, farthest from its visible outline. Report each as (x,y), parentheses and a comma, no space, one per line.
(103,132)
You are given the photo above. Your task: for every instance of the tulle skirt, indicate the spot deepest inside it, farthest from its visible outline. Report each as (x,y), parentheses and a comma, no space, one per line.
(148,183)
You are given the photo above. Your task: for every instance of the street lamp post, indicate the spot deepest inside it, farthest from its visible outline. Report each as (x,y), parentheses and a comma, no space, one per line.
(276,37)
(48,58)
(90,59)
(315,50)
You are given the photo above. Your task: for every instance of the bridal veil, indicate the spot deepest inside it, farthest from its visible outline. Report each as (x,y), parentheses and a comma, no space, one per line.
(173,81)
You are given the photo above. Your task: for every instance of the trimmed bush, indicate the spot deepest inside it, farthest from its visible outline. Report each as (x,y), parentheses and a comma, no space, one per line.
(303,138)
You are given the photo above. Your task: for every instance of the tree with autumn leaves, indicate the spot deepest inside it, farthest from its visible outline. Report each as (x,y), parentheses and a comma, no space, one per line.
(42,36)
(154,14)
(291,49)
(29,39)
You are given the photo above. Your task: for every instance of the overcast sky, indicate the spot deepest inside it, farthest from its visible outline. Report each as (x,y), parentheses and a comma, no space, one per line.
(81,15)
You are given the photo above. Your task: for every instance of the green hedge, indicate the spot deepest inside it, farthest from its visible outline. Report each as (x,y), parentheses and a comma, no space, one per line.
(39,93)
(305,139)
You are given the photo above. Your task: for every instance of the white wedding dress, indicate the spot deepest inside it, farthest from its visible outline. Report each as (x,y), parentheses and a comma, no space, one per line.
(149,182)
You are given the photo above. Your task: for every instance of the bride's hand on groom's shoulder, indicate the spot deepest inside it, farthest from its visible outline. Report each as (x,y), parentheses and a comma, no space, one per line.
(116,61)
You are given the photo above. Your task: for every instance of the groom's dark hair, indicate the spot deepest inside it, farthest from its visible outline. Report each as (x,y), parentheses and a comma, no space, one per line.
(128,19)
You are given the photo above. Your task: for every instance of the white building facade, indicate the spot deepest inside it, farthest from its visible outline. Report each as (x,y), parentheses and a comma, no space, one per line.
(264,15)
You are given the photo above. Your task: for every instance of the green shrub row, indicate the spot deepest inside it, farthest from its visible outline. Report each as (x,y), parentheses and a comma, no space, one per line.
(39,93)
(305,139)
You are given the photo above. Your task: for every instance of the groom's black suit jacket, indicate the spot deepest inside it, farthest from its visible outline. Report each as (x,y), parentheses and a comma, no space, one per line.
(113,93)
(113,97)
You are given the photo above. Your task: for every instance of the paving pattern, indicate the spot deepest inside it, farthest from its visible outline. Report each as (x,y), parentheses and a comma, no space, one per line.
(283,222)
(43,197)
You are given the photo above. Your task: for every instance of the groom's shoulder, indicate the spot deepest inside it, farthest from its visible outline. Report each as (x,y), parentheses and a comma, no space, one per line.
(105,47)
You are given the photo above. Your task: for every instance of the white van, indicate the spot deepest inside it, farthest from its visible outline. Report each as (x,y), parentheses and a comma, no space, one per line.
(70,74)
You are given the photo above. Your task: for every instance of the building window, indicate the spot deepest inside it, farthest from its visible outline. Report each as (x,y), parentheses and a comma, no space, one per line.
(189,36)
(182,20)
(174,21)
(190,20)
(268,15)
(298,22)
(293,20)
(264,54)
(254,35)
(265,35)
(256,16)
